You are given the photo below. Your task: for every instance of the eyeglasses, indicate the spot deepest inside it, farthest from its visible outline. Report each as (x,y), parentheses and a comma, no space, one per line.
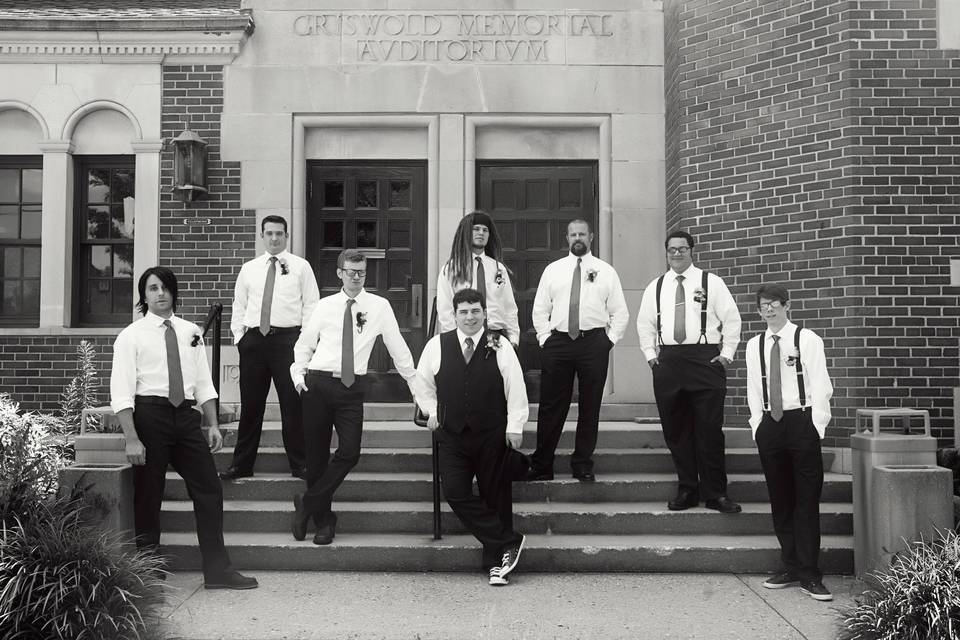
(354,273)
(672,251)
(770,306)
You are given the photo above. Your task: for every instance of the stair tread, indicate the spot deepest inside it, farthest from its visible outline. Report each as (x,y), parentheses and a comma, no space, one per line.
(530,425)
(398,476)
(560,451)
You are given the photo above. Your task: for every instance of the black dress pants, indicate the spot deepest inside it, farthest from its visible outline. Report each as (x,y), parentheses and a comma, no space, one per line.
(561,358)
(489,516)
(690,391)
(327,404)
(173,436)
(262,359)
(793,466)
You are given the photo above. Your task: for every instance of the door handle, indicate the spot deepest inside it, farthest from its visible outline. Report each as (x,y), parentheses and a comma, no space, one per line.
(416,300)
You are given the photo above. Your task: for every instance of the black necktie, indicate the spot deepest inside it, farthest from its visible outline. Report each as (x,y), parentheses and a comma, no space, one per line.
(680,313)
(468,352)
(573,319)
(346,355)
(776,393)
(481,284)
(174,372)
(267,303)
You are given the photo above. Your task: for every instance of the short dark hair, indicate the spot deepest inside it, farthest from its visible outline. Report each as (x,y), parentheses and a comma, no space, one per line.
(350,255)
(468,296)
(773,292)
(579,221)
(168,279)
(678,234)
(277,219)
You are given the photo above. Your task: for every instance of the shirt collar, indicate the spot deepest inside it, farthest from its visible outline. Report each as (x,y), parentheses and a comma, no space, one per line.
(358,297)
(785,330)
(280,256)
(156,320)
(463,337)
(584,257)
(690,273)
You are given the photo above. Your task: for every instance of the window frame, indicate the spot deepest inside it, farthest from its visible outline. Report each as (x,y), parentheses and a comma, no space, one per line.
(22,162)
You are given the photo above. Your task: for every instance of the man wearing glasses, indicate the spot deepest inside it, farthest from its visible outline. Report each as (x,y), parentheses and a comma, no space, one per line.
(689,328)
(329,370)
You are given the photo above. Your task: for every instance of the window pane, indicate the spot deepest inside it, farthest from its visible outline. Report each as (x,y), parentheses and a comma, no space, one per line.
(11,297)
(121,221)
(367,194)
(31,297)
(367,233)
(123,261)
(11,262)
(98,222)
(31,262)
(333,194)
(399,194)
(32,185)
(332,233)
(98,185)
(98,297)
(123,296)
(9,221)
(9,185)
(122,185)
(30,221)
(100,264)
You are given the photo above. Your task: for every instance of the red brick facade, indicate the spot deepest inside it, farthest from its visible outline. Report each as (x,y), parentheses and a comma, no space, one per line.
(815,144)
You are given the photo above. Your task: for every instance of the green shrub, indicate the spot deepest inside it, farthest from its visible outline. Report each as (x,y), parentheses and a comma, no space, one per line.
(917,598)
(61,577)
(81,393)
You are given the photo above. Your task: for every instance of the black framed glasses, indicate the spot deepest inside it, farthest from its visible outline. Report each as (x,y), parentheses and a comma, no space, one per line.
(354,273)
(770,306)
(672,251)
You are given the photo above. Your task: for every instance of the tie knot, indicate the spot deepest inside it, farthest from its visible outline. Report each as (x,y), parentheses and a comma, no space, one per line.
(469,341)
(273,258)
(579,260)
(168,324)
(478,259)
(350,301)
(776,338)
(680,278)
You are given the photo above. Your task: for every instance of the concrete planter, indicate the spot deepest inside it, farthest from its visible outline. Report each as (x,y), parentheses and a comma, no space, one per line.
(106,486)
(100,448)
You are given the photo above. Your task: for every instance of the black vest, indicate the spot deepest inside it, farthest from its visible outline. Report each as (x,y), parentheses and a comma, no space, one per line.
(469,395)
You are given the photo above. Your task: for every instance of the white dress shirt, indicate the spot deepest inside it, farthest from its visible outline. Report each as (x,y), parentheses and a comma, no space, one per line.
(501,305)
(816,379)
(723,317)
(140,363)
(514,388)
(295,294)
(601,298)
(320,342)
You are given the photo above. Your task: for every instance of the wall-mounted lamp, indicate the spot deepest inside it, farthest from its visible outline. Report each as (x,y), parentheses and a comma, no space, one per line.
(189,165)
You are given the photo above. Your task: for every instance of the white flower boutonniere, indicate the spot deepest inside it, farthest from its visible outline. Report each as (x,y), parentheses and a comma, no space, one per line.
(790,357)
(197,340)
(284,267)
(699,295)
(493,343)
(591,275)
(498,277)
(361,320)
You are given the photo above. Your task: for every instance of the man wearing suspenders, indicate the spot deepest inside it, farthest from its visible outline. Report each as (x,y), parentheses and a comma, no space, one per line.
(689,329)
(788,391)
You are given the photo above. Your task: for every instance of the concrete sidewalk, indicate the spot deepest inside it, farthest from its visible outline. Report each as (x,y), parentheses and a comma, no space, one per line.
(450,606)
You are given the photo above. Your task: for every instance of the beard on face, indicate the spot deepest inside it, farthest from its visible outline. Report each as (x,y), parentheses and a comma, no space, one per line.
(579,248)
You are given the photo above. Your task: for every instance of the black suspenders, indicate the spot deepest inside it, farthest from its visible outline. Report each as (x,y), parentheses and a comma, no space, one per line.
(703,310)
(763,371)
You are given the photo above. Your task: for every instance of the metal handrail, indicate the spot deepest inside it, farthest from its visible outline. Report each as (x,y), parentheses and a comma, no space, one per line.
(215,318)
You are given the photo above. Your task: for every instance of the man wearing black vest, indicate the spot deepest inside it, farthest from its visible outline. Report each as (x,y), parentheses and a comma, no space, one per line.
(471,387)
(689,329)
(789,391)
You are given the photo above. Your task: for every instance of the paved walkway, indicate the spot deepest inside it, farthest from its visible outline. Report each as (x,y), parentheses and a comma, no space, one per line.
(453,606)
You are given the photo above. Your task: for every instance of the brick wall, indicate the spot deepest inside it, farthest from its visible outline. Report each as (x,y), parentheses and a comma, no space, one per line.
(816,146)
(205,257)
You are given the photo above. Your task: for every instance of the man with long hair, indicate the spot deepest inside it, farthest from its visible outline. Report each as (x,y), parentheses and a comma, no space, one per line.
(476,262)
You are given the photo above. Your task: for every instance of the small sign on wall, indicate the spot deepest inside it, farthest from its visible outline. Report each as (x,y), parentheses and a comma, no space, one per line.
(955,272)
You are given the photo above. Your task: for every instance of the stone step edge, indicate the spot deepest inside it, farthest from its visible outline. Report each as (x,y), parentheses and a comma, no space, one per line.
(560,451)
(425,476)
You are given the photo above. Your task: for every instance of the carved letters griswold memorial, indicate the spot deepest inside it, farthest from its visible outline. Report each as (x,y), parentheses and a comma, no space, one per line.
(453,37)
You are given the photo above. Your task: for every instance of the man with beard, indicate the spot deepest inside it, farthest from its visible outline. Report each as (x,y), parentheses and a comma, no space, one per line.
(689,328)
(476,261)
(579,313)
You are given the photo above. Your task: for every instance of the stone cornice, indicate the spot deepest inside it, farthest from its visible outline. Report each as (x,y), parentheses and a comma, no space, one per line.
(136,47)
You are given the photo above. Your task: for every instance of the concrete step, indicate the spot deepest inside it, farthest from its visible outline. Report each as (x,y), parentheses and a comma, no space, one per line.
(546,553)
(738,460)
(605,518)
(404,410)
(615,487)
(396,434)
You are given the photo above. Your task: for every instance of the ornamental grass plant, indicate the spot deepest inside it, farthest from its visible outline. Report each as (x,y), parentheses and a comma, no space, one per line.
(917,598)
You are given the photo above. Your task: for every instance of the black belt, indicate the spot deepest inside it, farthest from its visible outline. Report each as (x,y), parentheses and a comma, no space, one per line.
(790,411)
(331,374)
(582,333)
(163,401)
(692,344)
(278,330)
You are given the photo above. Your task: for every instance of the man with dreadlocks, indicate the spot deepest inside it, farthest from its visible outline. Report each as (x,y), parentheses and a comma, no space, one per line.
(476,262)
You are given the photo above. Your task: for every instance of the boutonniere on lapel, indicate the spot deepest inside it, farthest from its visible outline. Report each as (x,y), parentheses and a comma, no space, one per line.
(197,340)
(591,275)
(361,320)
(493,344)
(699,295)
(284,267)
(498,277)
(791,357)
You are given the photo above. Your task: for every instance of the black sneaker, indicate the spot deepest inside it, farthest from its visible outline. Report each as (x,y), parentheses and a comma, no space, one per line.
(816,590)
(782,581)
(511,556)
(497,579)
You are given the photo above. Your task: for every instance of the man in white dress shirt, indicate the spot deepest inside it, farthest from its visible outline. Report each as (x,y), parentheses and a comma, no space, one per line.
(329,370)
(476,262)
(159,373)
(689,329)
(274,296)
(479,404)
(579,313)
(789,391)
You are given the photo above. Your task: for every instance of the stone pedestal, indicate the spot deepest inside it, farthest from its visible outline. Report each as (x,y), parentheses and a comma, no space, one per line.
(108,487)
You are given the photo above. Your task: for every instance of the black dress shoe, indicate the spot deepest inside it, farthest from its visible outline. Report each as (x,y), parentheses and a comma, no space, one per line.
(723,504)
(326,531)
(683,501)
(298,473)
(584,476)
(230,580)
(298,523)
(539,474)
(233,473)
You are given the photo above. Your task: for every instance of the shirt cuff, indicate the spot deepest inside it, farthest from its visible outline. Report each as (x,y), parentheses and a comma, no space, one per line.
(515,427)
(649,354)
(728,353)
(119,405)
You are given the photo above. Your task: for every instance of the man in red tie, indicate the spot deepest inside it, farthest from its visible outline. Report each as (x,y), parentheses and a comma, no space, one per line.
(329,370)
(789,391)
(159,373)
(579,313)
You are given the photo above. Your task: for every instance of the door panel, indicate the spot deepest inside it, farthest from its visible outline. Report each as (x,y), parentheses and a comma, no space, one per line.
(379,208)
(531,204)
